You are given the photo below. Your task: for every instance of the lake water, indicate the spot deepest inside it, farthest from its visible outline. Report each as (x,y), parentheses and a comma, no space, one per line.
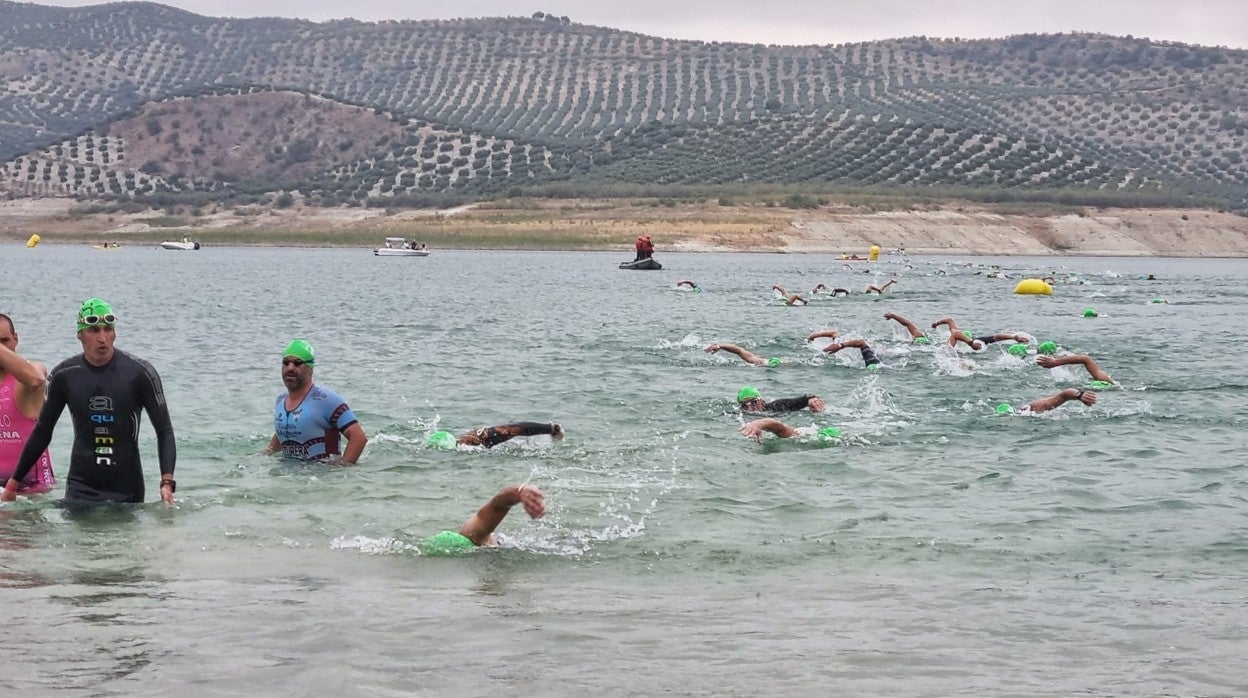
(936,549)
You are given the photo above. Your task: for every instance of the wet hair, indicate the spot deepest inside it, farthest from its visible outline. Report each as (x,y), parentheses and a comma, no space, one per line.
(6,318)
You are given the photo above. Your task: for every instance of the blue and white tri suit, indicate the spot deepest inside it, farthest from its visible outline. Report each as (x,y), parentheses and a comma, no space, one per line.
(313,430)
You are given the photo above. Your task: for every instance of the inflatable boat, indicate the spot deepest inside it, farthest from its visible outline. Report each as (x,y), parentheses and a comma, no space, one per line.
(642,264)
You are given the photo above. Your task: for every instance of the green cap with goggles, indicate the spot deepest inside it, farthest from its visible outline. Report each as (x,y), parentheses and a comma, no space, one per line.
(95,312)
(1047,348)
(300,349)
(1017,349)
(748,392)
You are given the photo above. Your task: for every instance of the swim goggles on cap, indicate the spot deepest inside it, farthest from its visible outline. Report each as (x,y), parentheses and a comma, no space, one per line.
(93,320)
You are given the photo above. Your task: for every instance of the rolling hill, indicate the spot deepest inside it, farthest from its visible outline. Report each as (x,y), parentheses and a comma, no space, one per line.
(142,100)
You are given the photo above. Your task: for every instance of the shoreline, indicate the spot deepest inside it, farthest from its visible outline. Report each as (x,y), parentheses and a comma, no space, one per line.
(611,226)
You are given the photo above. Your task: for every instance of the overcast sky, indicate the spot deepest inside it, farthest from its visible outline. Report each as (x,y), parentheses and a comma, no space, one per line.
(1207,22)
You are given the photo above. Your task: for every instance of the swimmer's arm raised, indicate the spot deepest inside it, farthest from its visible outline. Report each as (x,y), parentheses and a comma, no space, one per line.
(747,356)
(1084,360)
(480,525)
(831,334)
(1060,398)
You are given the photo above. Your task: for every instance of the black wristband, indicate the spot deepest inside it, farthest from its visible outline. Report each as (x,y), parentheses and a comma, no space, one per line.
(173,485)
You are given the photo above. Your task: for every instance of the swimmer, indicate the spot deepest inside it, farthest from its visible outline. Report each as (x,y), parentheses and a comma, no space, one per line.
(868,356)
(1055,400)
(692,286)
(917,336)
(976,343)
(489,437)
(747,356)
(880,289)
(1094,370)
(749,400)
(820,288)
(790,298)
(478,530)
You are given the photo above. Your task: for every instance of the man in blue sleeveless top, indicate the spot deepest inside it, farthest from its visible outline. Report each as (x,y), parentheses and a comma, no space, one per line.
(308,420)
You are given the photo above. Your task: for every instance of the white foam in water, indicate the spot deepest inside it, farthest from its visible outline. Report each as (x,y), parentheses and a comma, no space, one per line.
(371,546)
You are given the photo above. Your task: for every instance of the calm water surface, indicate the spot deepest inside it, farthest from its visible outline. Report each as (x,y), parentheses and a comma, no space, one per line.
(936,549)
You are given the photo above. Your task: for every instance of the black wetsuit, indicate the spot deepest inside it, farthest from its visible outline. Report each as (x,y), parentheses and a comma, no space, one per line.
(104,402)
(787,404)
(868,356)
(493,436)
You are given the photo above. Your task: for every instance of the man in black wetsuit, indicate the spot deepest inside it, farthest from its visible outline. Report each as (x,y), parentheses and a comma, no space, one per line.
(105,389)
(751,401)
(490,437)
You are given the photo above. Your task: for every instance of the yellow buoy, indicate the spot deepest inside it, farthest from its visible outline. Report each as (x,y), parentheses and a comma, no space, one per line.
(875,253)
(34,240)
(1033,287)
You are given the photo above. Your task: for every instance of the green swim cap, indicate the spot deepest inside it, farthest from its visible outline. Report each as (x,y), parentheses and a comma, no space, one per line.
(446,543)
(1089,312)
(1159,300)
(1047,347)
(748,392)
(1017,349)
(1100,384)
(773,361)
(922,340)
(441,440)
(829,433)
(98,309)
(873,367)
(299,348)
(1005,408)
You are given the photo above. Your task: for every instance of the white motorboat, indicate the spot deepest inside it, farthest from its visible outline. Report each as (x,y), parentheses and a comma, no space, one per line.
(184,245)
(400,247)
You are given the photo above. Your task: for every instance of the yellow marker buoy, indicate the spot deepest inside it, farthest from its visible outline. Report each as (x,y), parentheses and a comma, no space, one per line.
(34,240)
(875,253)
(1033,287)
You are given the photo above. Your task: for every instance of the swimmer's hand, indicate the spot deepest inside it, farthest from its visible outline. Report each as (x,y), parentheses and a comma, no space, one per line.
(754,430)
(10,491)
(533,499)
(712,348)
(1047,361)
(1087,397)
(556,431)
(821,333)
(815,403)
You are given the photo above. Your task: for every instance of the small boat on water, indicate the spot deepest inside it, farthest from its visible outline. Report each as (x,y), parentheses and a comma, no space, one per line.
(400,247)
(642,264)
(107,246)
(186,244)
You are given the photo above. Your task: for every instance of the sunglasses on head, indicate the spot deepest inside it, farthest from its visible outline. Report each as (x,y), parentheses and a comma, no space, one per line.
(296,362)
(93,320)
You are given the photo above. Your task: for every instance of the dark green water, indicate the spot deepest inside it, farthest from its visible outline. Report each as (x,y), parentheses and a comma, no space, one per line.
(936,549)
